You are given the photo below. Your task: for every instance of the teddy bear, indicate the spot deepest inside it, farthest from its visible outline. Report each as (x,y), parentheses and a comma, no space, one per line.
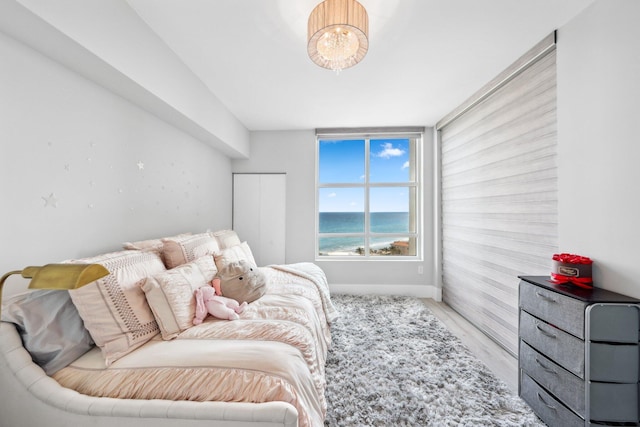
(242,281)
(208,302)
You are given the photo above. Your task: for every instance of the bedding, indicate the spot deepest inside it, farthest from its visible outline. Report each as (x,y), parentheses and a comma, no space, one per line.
(149,361)
(276,351)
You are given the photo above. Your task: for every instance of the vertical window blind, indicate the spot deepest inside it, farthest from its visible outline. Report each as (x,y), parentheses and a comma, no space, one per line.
(499,194)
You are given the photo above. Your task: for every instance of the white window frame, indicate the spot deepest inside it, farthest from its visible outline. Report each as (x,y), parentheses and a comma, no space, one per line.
(410,133)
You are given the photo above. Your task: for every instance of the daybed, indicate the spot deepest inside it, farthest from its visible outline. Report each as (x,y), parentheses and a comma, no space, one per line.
(150,366)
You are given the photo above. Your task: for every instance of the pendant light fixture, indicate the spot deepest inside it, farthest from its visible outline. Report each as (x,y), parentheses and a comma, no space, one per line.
(338,32)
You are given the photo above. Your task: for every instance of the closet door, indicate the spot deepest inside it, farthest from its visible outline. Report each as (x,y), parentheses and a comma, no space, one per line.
(499,196)
(259,205)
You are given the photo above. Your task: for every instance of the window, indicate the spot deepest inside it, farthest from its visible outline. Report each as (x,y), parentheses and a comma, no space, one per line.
(367,196)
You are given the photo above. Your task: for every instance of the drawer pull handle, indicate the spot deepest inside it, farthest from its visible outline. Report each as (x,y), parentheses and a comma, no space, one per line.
(541,399)
(546,368)
(546,297)
(547,333)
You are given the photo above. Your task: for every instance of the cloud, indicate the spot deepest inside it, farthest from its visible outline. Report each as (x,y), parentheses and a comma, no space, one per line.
(388,151)
(331,195)
(405,165)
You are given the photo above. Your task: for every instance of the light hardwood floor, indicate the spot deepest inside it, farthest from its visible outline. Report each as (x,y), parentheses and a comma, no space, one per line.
(498,360)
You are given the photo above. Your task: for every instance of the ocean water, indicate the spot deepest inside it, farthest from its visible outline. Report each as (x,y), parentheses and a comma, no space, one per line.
(353,222)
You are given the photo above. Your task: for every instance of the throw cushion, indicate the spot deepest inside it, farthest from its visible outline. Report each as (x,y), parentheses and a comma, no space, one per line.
(50,327)
(114,308)
(226,238)
(170,294)
(237,253)
(154,245)
(181,250)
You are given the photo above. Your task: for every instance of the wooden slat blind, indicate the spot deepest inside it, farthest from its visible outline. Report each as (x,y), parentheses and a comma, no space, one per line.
(499,199)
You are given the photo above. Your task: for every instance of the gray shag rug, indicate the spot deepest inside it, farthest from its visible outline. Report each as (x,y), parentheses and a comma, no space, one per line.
(393,363)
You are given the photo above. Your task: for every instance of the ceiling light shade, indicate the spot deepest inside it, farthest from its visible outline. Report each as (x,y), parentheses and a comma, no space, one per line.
(338,32)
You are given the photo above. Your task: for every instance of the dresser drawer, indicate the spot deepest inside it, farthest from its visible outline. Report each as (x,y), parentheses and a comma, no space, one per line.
(566,350)
(615,363)
(614,323)
(614,402)
(564,312)
(552,412)
(568,388)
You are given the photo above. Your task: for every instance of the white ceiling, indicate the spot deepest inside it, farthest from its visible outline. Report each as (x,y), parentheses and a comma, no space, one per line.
(425,56)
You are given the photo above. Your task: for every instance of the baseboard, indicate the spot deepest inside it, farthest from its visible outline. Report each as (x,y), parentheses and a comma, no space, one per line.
(418,291)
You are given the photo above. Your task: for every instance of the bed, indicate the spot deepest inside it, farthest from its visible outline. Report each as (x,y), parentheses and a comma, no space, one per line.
(142,362)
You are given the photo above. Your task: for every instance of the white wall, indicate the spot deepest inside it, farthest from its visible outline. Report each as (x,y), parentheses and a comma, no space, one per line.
(103,41)
(599,146)
(293,152)
(61,134)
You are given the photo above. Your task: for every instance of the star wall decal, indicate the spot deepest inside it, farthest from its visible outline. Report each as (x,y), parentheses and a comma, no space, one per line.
(140,165)
(51,200)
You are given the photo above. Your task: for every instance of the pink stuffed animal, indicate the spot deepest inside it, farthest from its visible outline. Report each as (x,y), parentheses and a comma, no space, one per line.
(207,302)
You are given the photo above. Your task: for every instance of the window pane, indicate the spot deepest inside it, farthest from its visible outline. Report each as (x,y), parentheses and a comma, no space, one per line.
(389,222)
(341,210)
(341,222)
(390,246)
(368,194)
(391,160)
(392,210)
(340,246)
(341,161)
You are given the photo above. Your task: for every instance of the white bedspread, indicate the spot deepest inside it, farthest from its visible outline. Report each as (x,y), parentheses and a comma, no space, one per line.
(276,351)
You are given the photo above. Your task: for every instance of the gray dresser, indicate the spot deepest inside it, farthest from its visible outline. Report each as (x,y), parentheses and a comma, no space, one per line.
(579,354)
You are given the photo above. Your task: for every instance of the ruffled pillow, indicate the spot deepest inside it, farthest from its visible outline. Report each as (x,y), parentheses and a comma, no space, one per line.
(170,294)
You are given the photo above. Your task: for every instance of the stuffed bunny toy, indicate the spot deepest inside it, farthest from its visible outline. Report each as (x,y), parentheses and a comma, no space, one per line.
(207,302)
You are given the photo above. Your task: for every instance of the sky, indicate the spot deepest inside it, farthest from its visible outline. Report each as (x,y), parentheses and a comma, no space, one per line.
(343,161)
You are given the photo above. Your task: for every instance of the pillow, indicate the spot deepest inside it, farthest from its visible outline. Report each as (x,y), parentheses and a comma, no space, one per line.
(237,253)
(50,327)
(170,294)
(181,250)
(114,308)
(154,245)
(226,238)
